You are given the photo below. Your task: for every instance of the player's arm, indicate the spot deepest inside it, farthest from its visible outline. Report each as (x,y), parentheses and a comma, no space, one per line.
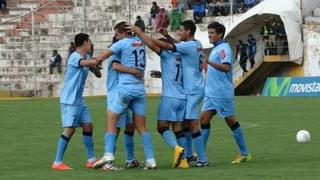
(88,63)
(104,55)
(149,41)
(225,67)
(123,69)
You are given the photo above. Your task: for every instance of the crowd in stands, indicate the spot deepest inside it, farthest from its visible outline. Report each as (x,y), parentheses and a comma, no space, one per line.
(274,37)
(163,18)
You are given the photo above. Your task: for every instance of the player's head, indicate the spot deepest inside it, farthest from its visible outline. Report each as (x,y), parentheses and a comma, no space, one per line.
(187,30)
(121,31)
(216,32)
(82,40)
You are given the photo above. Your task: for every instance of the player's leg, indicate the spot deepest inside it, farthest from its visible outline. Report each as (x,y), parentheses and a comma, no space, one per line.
(69,118)
(208,111)
(227,111)
(182,142)
(131,162)
(193,122)
(188,149)
(238,135)
(87,132)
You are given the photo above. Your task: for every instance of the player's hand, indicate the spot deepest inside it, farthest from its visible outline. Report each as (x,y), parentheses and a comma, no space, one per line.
(138,73)
(132,28)
(96,71)
(205,59)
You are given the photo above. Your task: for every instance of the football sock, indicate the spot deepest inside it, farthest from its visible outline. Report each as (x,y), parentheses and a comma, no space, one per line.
(205,131)
(62,146)
(238,136)
(129,145)
(88,144)
(109,142)
(188,149)
(147,145)
(169,138)
(198,144)
(182,141)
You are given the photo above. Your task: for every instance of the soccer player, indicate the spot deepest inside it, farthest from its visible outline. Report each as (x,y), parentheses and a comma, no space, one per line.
(173,101)
(129,94)
(191,59)
(125,119)
(219,91)
(74,111)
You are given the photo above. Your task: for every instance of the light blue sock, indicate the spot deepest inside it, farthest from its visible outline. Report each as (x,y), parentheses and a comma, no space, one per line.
(147,145)
(129,145)
(62,146)
(238,136)
(110,142)
(88,144)
(198,144)
(205,132)
(169,138)
(182,141)
(189,151)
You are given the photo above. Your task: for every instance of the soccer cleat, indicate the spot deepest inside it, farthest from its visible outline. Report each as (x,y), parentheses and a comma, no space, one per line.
(60,166)
(111,166)
(177,154)
(133,164)
(192,159)
(90,164)
(150,165)
(242,159)
(183,164)
(104,160)
(201,164)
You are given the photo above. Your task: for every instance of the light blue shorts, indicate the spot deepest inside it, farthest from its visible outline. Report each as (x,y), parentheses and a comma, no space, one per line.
(171,109)
(124,118)
(74,115)
(193,106)
(224,106)
(128,97)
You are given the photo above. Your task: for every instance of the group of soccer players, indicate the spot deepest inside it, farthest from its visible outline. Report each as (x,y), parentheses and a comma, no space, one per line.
(183,90)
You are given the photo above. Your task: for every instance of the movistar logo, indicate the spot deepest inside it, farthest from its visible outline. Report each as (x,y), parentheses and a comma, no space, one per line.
(277,86)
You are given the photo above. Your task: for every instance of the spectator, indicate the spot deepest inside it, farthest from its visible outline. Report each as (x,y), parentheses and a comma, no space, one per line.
(272,36)
(249,3)
(140,23)
(153,13)
(280,34)
(211,5)
(265,32)
(3,6)
(199,11)
(182,6)
(176,18)
(55,61)
(242,54)
(162,20)
(252,49)
(175,4)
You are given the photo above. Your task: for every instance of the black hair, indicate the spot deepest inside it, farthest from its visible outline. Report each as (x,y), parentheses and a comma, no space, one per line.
(189,25)
(220,29)
(80,38)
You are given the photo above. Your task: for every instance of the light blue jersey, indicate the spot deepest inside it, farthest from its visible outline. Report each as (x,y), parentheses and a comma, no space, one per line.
(74,80)
(192,55)
(131,52)
(171,75)
(220,84)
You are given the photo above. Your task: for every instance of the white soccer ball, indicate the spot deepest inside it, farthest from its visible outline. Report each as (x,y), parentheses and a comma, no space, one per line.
(303,136)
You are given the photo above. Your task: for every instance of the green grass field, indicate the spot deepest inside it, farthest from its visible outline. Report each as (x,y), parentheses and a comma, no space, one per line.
(30,129)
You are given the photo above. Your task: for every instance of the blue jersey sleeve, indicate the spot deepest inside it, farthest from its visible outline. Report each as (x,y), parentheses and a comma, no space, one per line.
(182,47)
(74,60)
(225,55)
(116,48)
